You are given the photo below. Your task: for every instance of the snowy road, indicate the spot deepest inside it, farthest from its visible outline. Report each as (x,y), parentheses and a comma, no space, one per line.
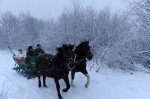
(107,84)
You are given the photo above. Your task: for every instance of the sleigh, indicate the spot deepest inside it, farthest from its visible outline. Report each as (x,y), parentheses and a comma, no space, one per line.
(27,68)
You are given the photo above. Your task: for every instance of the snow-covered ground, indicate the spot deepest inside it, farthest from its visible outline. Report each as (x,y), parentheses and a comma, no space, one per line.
(107,84)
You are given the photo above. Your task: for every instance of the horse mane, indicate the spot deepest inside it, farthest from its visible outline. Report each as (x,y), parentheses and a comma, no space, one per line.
(82,48)
(62,49)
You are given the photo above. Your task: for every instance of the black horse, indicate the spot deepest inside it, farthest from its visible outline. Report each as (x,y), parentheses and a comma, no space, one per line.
(82,52)
(56,67)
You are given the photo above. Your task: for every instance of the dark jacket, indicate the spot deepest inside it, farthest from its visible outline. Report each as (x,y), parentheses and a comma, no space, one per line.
(30,53)
(38,51)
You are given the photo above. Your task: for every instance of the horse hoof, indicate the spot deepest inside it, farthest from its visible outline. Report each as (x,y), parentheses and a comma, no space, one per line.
(86,85)
(45,86)
(60,97)
(65,90)
(39,85)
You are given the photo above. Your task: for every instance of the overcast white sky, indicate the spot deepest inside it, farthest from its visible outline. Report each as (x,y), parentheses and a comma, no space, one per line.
(53,8)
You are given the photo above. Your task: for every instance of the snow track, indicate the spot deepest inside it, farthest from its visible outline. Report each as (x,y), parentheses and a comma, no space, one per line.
(107,84)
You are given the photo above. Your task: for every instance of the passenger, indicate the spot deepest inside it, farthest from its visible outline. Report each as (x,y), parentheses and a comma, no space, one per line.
(20,57)
(39,51)
(29,53)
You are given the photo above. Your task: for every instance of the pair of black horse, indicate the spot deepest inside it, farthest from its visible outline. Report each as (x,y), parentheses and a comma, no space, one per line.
(67,59)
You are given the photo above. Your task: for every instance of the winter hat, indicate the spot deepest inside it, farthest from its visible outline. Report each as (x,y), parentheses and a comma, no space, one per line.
(38,45)
(30,47)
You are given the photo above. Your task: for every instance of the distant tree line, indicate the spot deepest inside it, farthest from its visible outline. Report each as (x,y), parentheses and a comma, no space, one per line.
(113,36)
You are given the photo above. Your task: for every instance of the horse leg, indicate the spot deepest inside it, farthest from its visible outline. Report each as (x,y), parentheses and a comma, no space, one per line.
(88,80)
(66,79)
(88,77)
(58,88)
(72,78)
(44,81)
(39,83)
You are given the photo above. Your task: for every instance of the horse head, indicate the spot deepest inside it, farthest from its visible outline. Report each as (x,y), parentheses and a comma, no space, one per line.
(65,55)
(83,51)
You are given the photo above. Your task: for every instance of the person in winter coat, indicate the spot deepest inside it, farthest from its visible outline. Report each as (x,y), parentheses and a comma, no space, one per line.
(30,51)
(39,51)
(20,57)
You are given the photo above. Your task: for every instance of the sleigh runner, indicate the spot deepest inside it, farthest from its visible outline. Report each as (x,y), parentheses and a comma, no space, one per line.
(26,68)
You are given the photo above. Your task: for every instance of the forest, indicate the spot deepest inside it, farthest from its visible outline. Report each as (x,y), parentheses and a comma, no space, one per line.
(118,40)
